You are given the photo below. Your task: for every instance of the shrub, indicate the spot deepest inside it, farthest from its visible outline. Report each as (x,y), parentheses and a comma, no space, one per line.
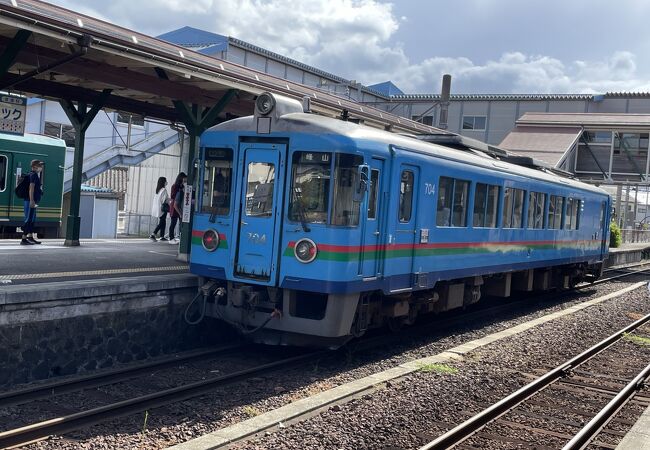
(615,237)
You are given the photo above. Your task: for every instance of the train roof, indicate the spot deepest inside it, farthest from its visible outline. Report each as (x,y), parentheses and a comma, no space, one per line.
(456,148)
(29,138)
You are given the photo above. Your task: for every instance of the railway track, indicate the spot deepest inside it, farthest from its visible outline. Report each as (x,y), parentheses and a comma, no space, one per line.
(37,431)
(500,423)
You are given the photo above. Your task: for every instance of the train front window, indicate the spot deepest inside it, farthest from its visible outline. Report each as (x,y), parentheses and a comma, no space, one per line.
(346,210)
(3,173)
(217,181)
(310,187)
(259,193)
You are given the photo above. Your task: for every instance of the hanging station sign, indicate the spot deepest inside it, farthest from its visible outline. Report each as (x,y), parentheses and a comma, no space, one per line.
(13,110)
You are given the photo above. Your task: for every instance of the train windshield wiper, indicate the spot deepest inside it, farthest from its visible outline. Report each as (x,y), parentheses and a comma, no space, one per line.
(302,215)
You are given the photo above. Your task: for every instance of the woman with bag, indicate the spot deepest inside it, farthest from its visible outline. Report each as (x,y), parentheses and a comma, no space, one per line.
(160,208)
(176,205)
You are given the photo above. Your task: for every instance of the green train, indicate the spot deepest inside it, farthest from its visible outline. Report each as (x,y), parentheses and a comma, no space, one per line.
(16,154)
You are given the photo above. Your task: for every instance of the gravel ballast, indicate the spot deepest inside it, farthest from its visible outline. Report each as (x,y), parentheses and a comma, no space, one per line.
(361,423)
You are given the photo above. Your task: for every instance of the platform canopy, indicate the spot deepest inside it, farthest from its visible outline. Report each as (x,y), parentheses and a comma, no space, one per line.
(51,52)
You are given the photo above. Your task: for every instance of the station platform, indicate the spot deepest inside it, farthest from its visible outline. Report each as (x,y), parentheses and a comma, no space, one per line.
(93,259)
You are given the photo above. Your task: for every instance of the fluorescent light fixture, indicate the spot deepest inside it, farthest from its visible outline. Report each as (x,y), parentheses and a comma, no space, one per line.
(135,39)
(80,23)
(14,3)
(180,52)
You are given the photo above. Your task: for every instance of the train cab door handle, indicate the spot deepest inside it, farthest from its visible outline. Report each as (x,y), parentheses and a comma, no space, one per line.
(376,233)
(244,223)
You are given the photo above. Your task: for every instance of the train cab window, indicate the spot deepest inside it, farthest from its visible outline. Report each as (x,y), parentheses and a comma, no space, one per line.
(259,194)
(486,201)
(452,202)
(3,173)
(536,208)
(555,206)
(374,193)
(513,208)
(406,196)
(310,187)
(572,215)
(346,209)
(217,181)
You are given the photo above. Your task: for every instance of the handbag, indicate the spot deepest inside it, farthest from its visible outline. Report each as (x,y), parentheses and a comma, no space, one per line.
(164,208)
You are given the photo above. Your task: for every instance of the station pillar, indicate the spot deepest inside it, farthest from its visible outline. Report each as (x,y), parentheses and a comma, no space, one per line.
(80,118)
(196,120)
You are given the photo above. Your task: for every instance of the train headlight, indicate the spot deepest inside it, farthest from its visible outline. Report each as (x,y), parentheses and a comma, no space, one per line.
(210,240)
(265,103)
(305,250)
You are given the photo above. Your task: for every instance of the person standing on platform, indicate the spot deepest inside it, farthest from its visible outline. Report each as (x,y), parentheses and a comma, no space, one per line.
(176,212)
(160,208)
(31,202)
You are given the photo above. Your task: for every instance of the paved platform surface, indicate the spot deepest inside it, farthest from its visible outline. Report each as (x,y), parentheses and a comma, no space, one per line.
(638,437)
(97,258)
(630,247)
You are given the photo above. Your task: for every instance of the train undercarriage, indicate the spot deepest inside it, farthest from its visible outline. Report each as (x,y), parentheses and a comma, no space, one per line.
(290,317)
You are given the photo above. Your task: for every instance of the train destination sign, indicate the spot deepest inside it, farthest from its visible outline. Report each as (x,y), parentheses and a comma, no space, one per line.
(13,110)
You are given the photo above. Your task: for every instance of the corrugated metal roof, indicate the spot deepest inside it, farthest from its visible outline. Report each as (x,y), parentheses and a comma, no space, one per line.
(495,97)
(546,144)
(596,120)
(115,180)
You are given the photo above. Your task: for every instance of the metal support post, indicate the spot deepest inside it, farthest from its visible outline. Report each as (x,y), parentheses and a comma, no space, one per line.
(196,121)
(81,119)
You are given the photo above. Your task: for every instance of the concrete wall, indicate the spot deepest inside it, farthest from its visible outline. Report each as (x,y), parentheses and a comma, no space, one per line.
(72,328)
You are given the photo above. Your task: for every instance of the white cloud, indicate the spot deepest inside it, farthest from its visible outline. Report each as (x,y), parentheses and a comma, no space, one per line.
(355,39)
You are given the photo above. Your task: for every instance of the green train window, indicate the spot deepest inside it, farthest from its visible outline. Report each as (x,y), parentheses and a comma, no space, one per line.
(3,173)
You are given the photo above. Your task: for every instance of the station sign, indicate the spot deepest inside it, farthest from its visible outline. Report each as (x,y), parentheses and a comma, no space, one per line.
(187,204)
(13,110)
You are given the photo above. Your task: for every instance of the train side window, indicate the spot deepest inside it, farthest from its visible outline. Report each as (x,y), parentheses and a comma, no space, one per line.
(217,181)
(459,213)
(310,187)
(513,208)
(346,210)
(259,194)
(3,172)
(555,205)
(602,215)
(486,201)
(445,192)
(374,192)
(536,207)
(572,214)
(406,196)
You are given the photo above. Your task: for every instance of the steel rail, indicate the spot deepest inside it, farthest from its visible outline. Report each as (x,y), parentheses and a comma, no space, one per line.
(584,437)
(466,429)
(60,425)
(105,377)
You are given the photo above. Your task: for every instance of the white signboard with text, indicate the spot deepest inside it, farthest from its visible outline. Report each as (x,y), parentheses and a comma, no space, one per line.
(12,114)
(187,204)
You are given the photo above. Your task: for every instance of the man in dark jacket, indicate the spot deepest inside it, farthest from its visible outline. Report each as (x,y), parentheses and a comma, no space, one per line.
(31,202)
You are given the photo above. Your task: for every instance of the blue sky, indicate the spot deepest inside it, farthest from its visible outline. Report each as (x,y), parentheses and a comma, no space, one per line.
(489,46)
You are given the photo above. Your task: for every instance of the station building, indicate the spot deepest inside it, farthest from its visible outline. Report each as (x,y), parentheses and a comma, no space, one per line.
(581,133)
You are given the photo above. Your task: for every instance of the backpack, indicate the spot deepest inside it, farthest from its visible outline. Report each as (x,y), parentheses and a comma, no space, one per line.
(22,190)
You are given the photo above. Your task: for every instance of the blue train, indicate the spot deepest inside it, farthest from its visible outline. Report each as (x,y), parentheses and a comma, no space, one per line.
(310,230)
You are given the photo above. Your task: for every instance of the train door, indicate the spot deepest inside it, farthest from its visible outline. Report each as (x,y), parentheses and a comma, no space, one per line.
(604,221)
(371,257)
(261,195)
(6,186)
(406,233)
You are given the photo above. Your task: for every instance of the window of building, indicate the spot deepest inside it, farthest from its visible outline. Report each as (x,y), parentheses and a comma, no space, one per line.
(426,120)
(513,208)
(634,143)
(3,172)
(136,119)
(486,201)
(217,181)
(346,209)
(555,205)
(374,193)
(536,207)
(572,215)
(598,137)
(61,131)
(452,202)
(259,192)
(310,187)
(406,196)
(476,123)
